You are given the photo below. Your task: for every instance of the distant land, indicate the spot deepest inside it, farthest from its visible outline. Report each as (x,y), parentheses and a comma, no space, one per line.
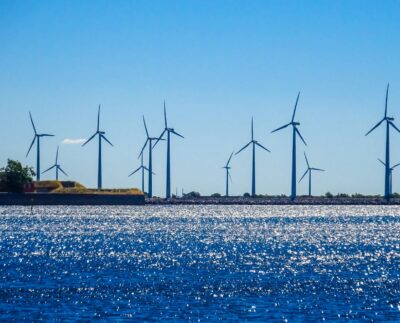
(275,200)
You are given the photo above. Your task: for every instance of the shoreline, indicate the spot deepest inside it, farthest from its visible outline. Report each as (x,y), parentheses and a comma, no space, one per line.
(28,199)
(273,201)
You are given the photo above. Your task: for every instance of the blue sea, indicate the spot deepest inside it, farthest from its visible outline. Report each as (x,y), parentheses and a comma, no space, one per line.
(200,263)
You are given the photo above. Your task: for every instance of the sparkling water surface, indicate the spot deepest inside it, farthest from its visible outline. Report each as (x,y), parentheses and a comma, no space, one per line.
(235,263)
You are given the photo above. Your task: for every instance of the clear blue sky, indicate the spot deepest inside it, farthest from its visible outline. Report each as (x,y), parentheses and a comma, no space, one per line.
(216,63)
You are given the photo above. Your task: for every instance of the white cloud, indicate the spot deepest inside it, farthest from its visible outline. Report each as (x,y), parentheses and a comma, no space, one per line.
(69,141)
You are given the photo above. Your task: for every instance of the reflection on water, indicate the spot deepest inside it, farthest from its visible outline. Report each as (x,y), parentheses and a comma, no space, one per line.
(200,262)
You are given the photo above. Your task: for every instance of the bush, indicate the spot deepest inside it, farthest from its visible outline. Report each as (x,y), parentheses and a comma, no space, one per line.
(246,195)
(357,195)
(193,194)
(14,176)
(328,195)
(216,195)
(342,195)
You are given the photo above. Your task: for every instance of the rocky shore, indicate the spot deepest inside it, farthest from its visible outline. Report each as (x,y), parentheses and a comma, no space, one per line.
(273,201)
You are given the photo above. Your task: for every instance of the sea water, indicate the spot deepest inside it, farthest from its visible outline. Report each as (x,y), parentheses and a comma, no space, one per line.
(200,263)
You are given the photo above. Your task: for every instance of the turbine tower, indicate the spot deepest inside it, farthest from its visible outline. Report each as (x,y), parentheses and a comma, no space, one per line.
(36,138)
(309,171)
(296,133)
(142,168)
(390,175)
(254,144)
(101,135)
(169,131)
(149,141)
(56,166)
(389,123)
(228,175)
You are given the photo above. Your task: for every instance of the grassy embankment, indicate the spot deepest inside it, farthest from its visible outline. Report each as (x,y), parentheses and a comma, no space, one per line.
(69,187)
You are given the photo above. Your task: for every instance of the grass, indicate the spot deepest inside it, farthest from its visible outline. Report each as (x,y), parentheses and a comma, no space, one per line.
(60,187)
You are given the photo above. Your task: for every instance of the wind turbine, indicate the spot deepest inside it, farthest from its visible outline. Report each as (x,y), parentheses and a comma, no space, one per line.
(389,122)
(168,131)
(296,133)
(142,168)
(228,175)
(390,175)
(36,138)
(149,141)
(254,143)
(309,171)
(101,135)
(56,166)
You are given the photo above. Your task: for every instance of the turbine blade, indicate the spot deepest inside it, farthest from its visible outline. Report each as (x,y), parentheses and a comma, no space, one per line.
(33,125)
(280,128)
(141,152)
(104,137)
(392,124)
(227,164)
(381,162)
(261,146)
(244,147)
(89,139)
(295,106)
(61,170)
(46,135)
(145,127)
(304,175)
(98,119)
(301,137)
(30,147)
(308,165)
(386,101)
(395,165)
(374,127)
(252,129)
(48,169)
(318,169)
(57,154)
(160,138)
(229,175)
(174,132)
(135,171)
(165,116)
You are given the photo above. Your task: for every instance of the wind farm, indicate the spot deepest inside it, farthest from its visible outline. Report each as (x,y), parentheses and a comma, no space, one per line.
(166,136)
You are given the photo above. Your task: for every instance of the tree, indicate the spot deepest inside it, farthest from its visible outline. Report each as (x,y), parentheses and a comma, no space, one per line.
(14,176)
(193,194)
